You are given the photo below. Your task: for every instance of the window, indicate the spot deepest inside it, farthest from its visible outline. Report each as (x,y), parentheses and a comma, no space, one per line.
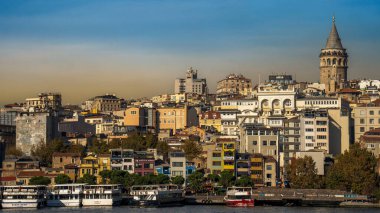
(309,122)
(216,155)
(269,175)
(371,121)
(321,137)
(216,163)
(371,112)
(177,173)
(177,164)
(60,160)
(309,137)
(309,130)
(362,112)
(321,129)
(320,123)
(254,143)
(362,129)
(362,121)
(148,165)
(272,143)
(265,143)
(269,167)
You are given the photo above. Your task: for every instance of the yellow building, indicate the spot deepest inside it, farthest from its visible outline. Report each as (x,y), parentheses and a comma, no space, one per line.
(93,165)
(228,156)
(177,118)
(210,121)
(194,130)
(257,167)
(134,116)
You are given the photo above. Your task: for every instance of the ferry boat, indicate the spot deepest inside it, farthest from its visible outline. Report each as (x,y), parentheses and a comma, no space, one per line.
(66,195)
(239,197)
(23,196)
(101,195)
(157,195)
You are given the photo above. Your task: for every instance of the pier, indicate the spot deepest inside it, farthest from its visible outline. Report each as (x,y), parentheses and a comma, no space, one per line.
(287,197)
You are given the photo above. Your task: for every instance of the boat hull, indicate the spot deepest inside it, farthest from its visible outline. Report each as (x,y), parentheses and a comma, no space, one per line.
(10,204)
(240,203)
(101,202)
(63,203)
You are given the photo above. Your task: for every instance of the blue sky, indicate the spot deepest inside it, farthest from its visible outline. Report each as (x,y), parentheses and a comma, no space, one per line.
(85,48)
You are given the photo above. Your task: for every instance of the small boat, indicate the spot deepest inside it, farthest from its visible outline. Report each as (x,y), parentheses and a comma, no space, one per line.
(157,195)
(239,197)
(23,196)
(65,195)
(102,195)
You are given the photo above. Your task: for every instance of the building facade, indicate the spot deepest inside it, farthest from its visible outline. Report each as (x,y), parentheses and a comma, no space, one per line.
(191,84)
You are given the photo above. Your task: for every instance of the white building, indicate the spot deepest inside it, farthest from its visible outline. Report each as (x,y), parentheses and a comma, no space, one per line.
(191,84)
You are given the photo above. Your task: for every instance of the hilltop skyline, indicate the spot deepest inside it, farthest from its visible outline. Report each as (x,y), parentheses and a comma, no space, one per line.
(86,49)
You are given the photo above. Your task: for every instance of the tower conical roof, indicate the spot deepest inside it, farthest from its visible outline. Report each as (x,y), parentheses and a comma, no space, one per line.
(333,42)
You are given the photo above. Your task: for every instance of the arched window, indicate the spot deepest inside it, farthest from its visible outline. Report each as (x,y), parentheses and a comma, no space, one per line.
(328,61)
(334,61)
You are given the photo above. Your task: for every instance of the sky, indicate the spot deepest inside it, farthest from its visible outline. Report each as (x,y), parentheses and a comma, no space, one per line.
(136,48)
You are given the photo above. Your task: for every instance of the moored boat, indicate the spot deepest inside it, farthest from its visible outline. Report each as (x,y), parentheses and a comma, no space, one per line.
(65,195)
(157,195)
(23,196)
(239,197)
(101,195)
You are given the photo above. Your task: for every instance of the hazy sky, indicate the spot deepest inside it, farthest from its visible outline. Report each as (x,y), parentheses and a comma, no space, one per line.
(138,47)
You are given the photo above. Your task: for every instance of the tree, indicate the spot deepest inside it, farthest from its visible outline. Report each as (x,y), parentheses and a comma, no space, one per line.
(192,149)
(178,180)
(196,181)
(14,151)
(162,179)
(62,179)
(135,142)
(44,151)
(303,174)
(98,147)
(87,178)
(244,181)
(226,179)
(150,140)
(214,178)
(39,180)
(163,148)
(354,170)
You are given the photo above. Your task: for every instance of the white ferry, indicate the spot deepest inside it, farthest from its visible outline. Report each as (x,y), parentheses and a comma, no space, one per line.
(23,196)
(157,195)
(101,195)
(239,197)
(67,195)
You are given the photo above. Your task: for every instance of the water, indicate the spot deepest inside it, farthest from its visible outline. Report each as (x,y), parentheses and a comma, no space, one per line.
(195,209)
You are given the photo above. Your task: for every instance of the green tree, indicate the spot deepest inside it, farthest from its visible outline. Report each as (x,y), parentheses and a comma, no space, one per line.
(87,178)
(244,181)
(44,151)
(214,178)
(163,148)
(162,179)
(151,140)
(303,174)
(192,149)
(178,180)
(106,176)
(135,142)
(118,176)
(354,170)
(98,147)
(39,180)
(196,181)
(14,152)
(62,179)
(226,179)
